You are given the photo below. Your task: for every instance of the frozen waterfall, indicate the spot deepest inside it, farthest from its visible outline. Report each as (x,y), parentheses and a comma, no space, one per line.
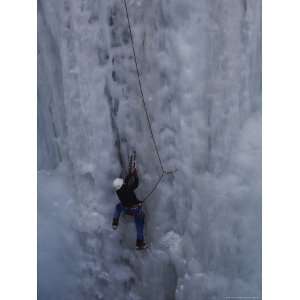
(200,63)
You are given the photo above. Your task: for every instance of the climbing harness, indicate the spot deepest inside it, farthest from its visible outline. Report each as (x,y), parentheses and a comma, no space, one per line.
(163,171)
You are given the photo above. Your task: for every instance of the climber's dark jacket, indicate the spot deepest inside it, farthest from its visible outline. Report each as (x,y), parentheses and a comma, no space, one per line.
(126,193)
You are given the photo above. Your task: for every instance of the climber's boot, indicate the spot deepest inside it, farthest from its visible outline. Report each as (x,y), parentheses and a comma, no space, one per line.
(141,245)
(115,223)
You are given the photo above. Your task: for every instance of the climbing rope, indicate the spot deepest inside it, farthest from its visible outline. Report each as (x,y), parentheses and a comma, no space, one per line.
(154,188)
(163,171)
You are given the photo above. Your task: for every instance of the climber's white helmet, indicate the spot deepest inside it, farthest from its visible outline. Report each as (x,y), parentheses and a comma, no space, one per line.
(117,183)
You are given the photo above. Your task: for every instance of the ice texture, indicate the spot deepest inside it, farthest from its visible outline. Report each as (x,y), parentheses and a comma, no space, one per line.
(200,64)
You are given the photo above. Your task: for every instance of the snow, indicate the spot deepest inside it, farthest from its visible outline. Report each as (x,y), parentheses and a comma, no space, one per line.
(200,65)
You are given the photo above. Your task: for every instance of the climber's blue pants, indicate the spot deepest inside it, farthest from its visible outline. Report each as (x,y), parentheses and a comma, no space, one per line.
(137,213)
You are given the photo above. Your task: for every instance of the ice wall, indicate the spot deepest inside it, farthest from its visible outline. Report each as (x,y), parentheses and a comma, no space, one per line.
(201,70)
(58,246)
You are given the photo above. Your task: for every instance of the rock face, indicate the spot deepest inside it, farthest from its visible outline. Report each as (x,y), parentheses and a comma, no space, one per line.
(200,63)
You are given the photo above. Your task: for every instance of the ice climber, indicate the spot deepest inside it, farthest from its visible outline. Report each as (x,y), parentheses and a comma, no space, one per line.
(130,205)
